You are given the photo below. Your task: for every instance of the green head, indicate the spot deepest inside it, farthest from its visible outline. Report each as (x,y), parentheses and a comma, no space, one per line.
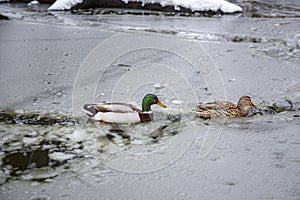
(150,99)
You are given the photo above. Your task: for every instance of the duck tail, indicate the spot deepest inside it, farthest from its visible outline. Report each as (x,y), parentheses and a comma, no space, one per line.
(89,109)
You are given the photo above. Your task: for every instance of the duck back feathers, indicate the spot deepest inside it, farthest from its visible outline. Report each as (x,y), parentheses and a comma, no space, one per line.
(225,109)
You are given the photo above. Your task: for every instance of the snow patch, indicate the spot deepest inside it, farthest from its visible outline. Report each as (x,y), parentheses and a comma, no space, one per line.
(193,5)
(33,3)
(59,156)
(64,4)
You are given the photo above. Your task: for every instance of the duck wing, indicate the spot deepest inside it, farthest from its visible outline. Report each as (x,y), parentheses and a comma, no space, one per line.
(92,109)
(217,105)
(216,109)
(113,112)
(116,107)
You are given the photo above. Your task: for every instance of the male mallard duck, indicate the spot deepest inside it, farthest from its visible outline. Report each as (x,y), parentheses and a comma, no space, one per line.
(123,112)
(225,108)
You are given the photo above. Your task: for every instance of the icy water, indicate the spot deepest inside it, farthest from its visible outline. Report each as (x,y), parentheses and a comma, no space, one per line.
(52,62)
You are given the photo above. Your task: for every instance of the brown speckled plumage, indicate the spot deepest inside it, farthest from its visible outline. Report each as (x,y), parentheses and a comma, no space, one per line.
(225,109)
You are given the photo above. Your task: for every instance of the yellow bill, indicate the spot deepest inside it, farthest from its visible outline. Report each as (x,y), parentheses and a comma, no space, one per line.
(161,104)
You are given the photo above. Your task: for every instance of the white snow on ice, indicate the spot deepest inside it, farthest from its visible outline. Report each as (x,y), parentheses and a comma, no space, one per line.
(33,3)
(194,5)
(59,156)
(64,4)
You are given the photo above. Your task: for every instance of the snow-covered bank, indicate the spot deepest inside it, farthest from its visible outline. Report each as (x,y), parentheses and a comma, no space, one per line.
(192,5)
(64,4)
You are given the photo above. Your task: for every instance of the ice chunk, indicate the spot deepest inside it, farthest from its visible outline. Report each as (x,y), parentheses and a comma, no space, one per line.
(60,156)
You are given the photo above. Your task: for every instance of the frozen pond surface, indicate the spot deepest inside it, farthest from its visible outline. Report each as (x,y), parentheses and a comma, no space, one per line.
(48,151)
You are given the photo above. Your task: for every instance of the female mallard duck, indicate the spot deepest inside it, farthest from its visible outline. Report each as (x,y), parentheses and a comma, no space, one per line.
(225,108)
(122,112)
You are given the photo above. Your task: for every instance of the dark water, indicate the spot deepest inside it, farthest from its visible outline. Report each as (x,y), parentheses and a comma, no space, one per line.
(27,160)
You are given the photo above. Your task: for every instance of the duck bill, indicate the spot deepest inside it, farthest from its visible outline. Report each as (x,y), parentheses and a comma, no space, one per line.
(161,104)
(251,104)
